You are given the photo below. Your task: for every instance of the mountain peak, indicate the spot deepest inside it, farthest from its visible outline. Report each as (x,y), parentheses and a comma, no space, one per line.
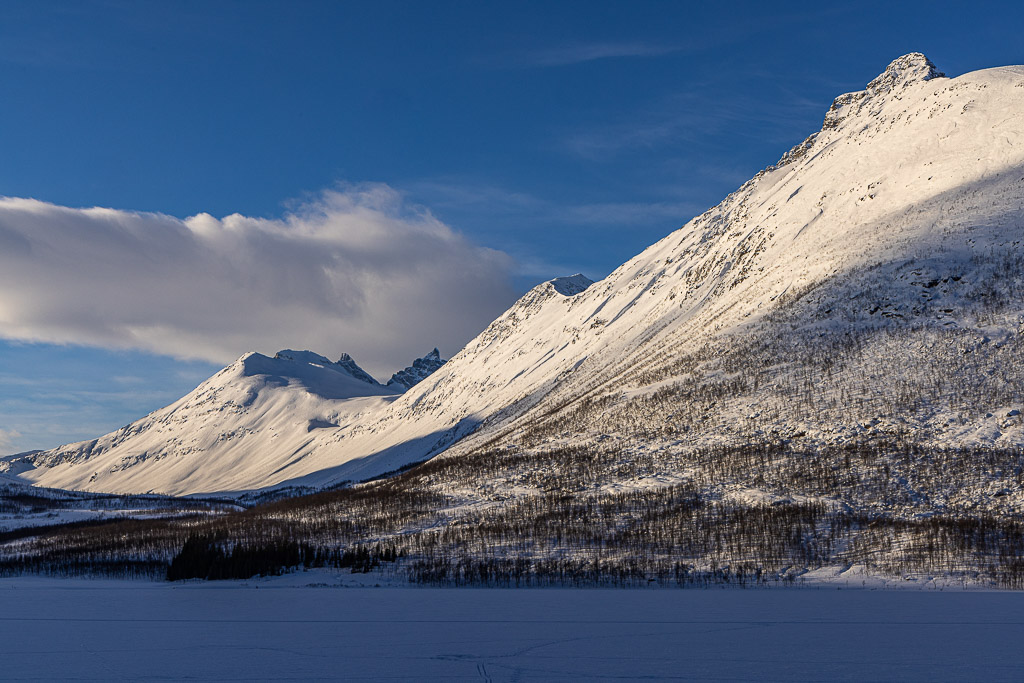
(348,364)
(344,364)
(571,284)
(903,71)
(301,357)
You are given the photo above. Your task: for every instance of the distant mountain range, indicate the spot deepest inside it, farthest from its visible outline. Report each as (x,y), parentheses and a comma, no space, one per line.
(868,287)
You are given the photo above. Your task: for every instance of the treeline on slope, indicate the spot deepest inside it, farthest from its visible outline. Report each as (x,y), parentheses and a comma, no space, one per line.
(24,499)
(582,516)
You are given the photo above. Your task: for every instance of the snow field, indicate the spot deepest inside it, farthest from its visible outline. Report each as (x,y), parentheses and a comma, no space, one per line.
(285,629)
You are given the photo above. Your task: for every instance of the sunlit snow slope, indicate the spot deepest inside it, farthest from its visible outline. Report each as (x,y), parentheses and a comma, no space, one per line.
(255,415)
(870,281)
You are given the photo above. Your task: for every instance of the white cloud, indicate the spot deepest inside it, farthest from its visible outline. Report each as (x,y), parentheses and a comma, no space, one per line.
(356,270)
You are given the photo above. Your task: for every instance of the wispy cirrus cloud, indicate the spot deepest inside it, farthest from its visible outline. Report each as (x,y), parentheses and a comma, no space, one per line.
(503,202)
(356,269)
(565,236)
(580,53)
(692,118)
(629,213)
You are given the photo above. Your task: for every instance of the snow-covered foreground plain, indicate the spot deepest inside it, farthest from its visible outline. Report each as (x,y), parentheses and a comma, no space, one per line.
(108,630)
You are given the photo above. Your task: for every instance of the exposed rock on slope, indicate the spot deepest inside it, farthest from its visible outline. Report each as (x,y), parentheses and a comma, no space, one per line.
(421,368)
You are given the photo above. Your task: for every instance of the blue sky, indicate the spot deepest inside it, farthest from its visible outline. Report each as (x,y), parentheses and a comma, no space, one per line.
(372,150)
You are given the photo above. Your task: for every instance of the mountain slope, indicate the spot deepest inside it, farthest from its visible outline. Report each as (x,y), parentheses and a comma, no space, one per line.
(869,285)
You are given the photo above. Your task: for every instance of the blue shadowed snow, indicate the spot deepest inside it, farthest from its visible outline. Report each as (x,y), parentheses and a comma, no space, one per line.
(93,630)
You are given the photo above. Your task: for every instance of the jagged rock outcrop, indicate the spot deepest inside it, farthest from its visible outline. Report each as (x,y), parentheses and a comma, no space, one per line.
(350,366)
(421,368)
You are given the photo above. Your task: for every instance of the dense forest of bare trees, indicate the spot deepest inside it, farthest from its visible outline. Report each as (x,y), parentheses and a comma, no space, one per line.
(757,514)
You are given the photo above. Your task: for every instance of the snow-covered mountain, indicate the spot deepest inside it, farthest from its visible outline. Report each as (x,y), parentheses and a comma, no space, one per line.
(346,365)
(256,413)
(868,285)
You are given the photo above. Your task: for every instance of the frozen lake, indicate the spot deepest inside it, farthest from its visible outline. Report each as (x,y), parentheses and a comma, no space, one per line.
(106,630)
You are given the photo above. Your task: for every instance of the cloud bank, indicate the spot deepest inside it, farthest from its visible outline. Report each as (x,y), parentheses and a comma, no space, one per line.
(355,270)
